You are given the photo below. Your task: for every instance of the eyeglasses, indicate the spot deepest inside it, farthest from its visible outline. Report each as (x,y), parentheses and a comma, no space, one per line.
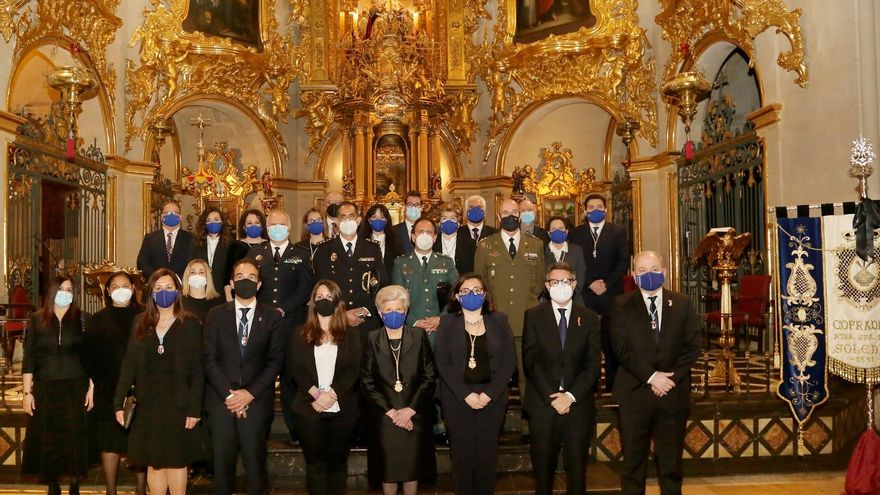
(565,281)
(413,205)
(477,291)
(314,220)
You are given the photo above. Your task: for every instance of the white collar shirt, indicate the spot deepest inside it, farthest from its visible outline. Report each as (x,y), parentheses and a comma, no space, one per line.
(559,254)
(448,244)
(507,237)
(250,314)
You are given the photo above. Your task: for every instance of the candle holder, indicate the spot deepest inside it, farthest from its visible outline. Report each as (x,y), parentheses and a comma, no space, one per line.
(686,90)
(72,82)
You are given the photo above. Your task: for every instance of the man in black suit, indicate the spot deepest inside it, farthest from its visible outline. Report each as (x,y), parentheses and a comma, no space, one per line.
(454,242)
(356,265)
(413,203)
(243,353)
(475,214)
(655,334)
(286,286)
(606,251)
(168,247)
(562,359)
(528,219)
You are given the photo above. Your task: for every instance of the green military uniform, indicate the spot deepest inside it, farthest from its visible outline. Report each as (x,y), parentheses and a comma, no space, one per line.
(515,283)
(422,283)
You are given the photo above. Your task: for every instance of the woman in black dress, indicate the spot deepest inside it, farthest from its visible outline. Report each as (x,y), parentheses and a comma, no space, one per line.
(107,336)
(252,232)
(211,243)
(57,390)
(199,294)
(475,359)
(397,378)
(164,364)
(324,362)
(377,226)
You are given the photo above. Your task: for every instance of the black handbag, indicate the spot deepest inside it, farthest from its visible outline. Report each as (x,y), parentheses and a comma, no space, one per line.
(129,404)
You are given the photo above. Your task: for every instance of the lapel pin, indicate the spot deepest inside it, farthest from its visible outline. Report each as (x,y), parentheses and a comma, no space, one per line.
(669,303)
(579,321)
(260,319)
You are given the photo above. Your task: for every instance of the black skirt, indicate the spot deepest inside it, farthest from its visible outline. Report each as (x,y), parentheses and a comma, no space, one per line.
(396,455)
(56,440)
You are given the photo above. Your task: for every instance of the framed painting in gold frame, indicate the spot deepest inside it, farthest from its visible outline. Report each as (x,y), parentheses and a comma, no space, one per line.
(238,20)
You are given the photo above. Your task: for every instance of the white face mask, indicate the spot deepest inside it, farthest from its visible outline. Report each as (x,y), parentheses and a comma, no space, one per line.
(348,227)
(121,295)
(424,242)
(561,294)
(197,282)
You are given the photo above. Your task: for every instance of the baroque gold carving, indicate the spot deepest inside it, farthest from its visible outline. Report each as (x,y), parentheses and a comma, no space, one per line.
(557,177)
(603,62)
(10,12)
(175,64)
(460,121)
(90,23)
(684,22)
(318,113)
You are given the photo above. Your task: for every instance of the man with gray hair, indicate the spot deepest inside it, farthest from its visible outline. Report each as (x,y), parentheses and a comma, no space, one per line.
(475,214)
(655,334)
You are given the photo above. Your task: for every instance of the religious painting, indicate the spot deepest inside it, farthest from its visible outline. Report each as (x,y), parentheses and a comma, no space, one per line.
(559,207)
(238,20)
(537,19)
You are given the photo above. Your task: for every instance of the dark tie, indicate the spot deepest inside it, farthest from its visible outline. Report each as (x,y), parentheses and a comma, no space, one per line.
(277,254)
(655,325)
(563,330)
(242,331)
(595,234)
(168,246)
(424,263)
(511,249)
(476,234)
(348,250)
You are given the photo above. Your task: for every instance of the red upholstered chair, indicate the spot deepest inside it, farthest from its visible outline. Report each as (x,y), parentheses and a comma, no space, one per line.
(750,307)
(14,321)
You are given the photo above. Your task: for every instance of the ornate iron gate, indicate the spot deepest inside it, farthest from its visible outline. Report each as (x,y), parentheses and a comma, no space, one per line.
(721,187)
(625,209)
(38,172)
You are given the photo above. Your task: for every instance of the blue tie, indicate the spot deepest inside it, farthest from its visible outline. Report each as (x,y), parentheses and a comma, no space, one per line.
(563,330)
(242,331)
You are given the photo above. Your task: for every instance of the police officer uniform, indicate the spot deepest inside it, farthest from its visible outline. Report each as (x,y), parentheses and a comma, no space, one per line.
(421,281)
(286,285)
(359,276)
(515,282)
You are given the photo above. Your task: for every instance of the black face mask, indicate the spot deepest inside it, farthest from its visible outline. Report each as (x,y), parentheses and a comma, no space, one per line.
(325,307)
(245,288)
(510,223)
(333,210)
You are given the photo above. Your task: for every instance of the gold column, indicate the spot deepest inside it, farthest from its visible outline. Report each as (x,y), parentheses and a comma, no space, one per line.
(369,186)
(423,162)
(111,208)
(435,152)
(359,166)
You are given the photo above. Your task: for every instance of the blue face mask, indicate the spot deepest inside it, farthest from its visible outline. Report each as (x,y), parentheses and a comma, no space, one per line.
(558,236)
(171,219)
(278,232)
(527,217)
(378,224)
(413,213)
(394,319)
(471,301)
(165,298)
(476,214)
(449,227)
(650,281)
(316,228)
(596,216)
(63,299)
(254,231)
(214,227)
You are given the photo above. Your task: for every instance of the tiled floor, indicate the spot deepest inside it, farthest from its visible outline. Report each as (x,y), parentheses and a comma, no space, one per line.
(821,483)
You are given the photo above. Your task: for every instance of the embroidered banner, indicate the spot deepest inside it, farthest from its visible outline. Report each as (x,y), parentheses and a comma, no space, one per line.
(852,313)
(804,383)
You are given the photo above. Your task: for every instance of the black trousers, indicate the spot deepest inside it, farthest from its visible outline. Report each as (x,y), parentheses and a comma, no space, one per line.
(640,422)
(608,353)
(473,443)
(551,432)
(231,436)
(326,441)
(288,387)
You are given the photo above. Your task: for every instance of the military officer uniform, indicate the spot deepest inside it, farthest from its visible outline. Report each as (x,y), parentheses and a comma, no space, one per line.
(515,282)
(359,276)
(286,284)
(421,281)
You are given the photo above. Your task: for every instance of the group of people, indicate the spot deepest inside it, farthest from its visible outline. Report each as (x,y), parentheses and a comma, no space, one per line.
(378,333)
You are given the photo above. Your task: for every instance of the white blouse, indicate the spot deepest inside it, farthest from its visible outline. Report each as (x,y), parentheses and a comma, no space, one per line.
(325,362)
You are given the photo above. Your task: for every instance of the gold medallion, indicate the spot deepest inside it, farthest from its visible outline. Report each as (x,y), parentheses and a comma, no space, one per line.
(333,257)
(398,387)
(472,363)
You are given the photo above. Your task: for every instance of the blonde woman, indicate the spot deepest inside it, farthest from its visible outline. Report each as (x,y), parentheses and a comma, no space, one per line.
(199,294)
